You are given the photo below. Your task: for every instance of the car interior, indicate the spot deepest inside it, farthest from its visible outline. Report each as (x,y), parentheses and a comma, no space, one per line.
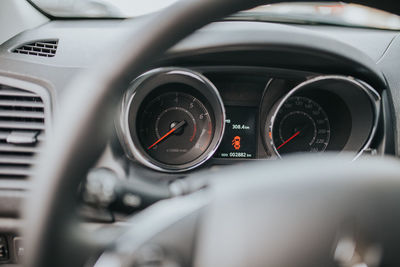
(199,133)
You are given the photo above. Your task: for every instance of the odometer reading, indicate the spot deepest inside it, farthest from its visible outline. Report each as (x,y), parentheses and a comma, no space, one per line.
(175,128)
(239,140)
(301,125)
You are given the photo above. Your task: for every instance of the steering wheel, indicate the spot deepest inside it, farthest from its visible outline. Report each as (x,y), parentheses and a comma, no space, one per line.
(299,211)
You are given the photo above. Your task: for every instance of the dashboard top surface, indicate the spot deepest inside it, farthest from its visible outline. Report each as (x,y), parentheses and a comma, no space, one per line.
(80,43)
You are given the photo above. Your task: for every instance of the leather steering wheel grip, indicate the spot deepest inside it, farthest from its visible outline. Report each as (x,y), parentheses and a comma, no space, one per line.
(84,119)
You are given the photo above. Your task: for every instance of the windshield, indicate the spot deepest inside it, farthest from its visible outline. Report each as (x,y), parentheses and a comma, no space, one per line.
(333,13)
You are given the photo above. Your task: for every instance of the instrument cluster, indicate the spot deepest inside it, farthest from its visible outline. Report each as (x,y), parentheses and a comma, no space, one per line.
(176,119)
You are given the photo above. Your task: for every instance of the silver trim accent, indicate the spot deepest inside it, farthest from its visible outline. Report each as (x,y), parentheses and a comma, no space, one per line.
(19,137)
(372,94)
(376,103)
(130,145)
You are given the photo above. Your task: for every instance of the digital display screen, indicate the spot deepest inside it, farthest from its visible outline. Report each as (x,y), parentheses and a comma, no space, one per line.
(240,137)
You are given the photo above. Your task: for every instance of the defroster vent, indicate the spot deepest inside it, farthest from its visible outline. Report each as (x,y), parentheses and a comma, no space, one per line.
(22,129)
(42,48)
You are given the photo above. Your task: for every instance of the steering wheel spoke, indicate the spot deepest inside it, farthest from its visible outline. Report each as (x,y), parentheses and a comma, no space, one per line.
(165,233)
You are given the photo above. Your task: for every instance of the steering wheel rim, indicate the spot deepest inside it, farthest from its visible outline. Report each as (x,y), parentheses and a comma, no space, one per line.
(342,213)
(85,120)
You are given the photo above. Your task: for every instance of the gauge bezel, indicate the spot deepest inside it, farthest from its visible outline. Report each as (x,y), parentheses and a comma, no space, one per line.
(144,85)
(369,91)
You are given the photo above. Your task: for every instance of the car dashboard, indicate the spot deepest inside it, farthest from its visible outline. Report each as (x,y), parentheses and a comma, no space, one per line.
(232,92)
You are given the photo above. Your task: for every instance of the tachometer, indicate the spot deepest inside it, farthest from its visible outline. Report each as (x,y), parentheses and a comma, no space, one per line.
(175,128)
(172,119)
(300,125)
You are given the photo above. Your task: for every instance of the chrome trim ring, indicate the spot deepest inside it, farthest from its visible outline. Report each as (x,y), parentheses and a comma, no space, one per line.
(143,86)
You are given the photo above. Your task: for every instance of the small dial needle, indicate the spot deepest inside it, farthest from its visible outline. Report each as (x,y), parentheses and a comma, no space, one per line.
(176,127)
(288,140)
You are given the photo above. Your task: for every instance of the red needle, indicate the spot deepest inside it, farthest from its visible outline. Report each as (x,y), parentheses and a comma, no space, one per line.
(176,127)
(287,141)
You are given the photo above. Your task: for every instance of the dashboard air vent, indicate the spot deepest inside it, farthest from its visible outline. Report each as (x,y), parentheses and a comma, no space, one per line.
(42,48)
(22,129)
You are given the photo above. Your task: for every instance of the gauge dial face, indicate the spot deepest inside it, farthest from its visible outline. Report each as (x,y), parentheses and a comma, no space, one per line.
(300,125)
(175,128)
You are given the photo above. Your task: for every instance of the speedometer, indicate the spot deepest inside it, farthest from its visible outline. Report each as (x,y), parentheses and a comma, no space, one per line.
(300,125)
(324,113)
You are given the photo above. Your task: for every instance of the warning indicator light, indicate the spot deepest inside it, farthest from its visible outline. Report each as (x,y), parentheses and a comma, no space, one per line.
(236,142)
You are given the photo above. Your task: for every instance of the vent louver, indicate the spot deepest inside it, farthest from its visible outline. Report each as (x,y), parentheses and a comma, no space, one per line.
(22,129)
(43,48)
